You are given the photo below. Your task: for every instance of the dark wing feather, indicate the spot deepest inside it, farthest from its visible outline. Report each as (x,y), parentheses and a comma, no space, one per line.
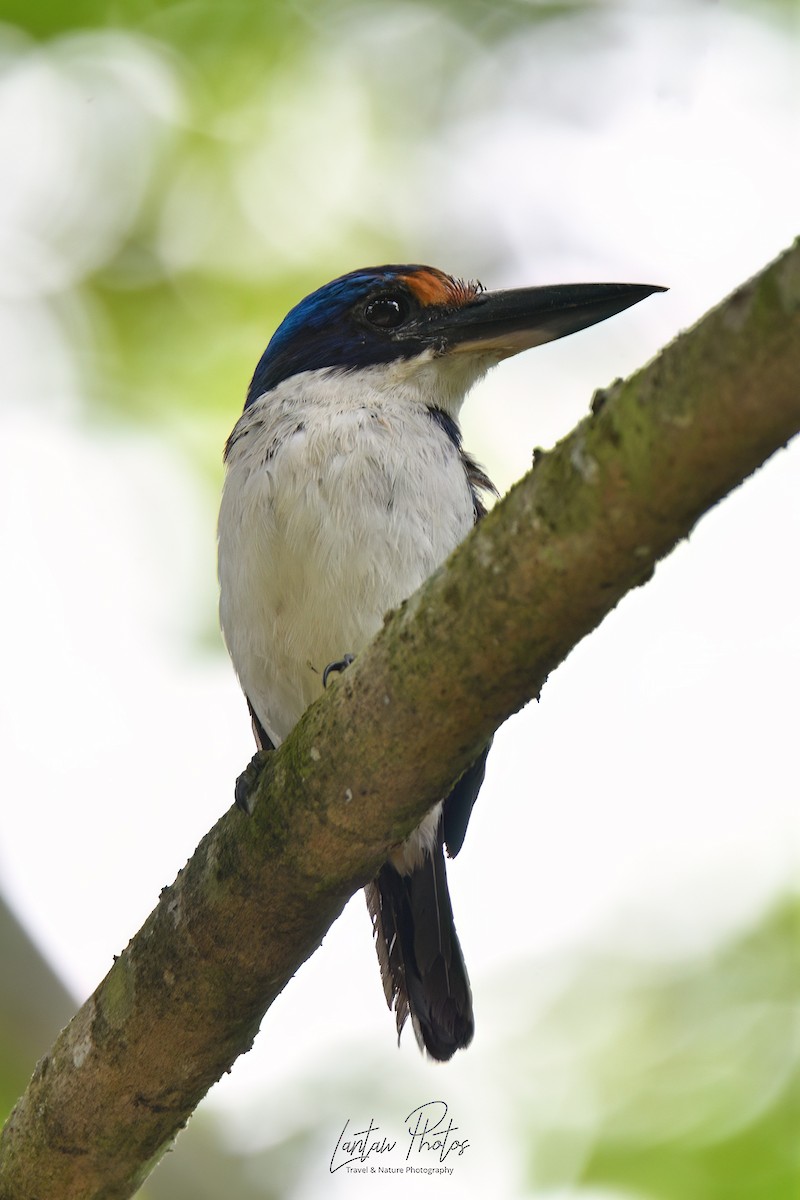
(458,805)
(263,740)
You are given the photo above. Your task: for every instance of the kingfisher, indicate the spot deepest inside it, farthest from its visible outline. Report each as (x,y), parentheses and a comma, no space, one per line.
(346,486)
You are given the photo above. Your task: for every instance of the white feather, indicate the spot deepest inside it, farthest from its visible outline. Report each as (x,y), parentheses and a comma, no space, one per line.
(342,495)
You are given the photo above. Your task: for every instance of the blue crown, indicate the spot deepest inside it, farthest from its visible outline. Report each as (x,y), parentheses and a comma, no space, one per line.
(332,327)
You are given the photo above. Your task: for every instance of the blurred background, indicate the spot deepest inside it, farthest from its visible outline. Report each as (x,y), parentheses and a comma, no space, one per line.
(174,177)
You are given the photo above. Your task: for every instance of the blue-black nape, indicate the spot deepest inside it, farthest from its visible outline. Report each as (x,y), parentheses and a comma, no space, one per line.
(328,329)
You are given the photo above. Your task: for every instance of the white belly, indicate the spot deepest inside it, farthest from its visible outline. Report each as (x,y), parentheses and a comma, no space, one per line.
(333,512)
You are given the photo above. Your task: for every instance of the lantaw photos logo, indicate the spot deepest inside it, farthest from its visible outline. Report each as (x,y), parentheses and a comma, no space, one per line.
(431,1144)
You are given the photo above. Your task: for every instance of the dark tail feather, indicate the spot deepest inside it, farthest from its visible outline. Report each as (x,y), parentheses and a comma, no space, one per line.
(421,963)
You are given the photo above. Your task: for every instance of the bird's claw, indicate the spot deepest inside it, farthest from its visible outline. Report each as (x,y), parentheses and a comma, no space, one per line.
(339,666)
(248,781)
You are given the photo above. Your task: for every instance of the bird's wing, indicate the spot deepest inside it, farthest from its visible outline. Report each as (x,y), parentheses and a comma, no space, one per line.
(263,740)
(458,805)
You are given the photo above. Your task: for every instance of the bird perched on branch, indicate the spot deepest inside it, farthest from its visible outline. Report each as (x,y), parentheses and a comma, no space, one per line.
(346,487)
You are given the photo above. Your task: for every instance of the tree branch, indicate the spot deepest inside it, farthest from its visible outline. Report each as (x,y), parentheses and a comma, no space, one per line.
(477,641)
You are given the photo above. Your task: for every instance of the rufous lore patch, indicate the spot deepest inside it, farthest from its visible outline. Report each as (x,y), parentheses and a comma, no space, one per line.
(434,287)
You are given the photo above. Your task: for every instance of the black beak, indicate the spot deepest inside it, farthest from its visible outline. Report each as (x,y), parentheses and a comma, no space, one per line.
(503,323)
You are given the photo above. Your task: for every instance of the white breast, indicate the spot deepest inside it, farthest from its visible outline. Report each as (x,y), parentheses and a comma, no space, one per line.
(341,497)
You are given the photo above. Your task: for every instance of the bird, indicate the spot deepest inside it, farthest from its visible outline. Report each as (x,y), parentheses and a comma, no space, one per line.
(346,486)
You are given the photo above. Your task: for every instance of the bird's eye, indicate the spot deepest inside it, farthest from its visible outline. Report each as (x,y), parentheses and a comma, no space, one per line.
(387,312)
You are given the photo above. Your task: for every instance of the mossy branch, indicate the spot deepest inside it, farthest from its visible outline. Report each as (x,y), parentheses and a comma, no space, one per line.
(587,524)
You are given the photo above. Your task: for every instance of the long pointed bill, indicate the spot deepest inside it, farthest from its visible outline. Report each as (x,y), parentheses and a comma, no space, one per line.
(506,322)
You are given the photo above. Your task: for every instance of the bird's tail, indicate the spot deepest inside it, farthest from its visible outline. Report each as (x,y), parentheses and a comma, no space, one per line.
(422,966)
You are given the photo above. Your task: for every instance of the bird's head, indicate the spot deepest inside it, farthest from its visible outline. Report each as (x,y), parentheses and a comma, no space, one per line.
(416,315)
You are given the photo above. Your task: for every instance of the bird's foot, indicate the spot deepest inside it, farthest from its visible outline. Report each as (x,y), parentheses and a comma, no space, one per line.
(339,666)
(247,782)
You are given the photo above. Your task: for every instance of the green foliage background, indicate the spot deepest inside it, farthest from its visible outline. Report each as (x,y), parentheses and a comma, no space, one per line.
(685,1079)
